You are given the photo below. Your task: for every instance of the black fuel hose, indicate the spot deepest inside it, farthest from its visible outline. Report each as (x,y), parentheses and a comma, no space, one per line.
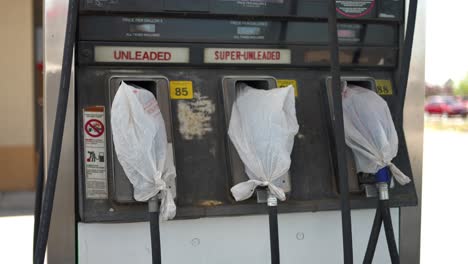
(274,237)
(374,237)
(55,152)
(406,56)
(391,242)
(39,189)
(339,140)
(403,85)
(153,210)
(382,214)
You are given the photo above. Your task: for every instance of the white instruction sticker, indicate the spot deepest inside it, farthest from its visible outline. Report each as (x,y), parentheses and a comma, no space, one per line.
(95,154)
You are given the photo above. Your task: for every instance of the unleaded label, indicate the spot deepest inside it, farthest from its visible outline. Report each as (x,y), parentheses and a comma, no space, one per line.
(141,54)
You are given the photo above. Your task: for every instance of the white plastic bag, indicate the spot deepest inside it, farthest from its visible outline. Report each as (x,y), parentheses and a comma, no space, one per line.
(262,128)
(370,132)
(140,141)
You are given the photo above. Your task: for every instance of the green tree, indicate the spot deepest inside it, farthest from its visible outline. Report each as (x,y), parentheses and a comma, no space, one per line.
(462,87)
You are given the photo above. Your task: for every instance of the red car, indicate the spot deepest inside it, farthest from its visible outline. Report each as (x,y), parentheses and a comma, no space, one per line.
(445,105)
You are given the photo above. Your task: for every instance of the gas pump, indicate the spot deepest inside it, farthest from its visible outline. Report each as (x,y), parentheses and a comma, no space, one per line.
(193,57)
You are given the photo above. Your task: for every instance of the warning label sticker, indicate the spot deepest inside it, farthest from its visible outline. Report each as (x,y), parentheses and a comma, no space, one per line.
(354,8)
(95,154)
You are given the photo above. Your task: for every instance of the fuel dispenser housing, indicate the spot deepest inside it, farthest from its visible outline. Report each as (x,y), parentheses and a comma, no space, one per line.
(371,46)
(205,48)
(172,44)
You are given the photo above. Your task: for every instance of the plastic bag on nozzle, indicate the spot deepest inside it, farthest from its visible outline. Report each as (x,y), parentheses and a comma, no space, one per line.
(370,132)
(140,141)
(262,128)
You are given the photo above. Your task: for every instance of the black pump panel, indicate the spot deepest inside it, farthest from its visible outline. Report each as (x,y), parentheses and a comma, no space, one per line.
(194,55)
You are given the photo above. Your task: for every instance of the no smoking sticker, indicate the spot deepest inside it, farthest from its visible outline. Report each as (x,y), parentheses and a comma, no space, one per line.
(95,152)
(94,128)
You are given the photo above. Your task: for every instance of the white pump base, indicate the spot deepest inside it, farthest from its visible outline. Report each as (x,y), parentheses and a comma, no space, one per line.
(304,238)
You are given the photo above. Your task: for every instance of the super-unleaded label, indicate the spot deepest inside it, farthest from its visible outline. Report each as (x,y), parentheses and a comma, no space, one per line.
(95,154)
(141,54)
(354,8)
(247,56)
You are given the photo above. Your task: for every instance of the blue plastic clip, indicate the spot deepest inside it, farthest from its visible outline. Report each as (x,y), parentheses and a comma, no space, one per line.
(383,175)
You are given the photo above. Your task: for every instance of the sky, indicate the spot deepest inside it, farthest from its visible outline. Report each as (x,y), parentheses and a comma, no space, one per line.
(446,40)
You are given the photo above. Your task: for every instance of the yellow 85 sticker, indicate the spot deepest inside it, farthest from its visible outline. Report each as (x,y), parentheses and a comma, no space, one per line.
(285,83)
(181,89)
(384,87)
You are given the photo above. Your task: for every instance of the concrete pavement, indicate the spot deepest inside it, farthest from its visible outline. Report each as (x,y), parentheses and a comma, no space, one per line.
(445,197)
(444,216)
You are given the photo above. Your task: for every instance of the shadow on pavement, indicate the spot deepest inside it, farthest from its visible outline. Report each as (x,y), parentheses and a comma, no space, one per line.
(16,203)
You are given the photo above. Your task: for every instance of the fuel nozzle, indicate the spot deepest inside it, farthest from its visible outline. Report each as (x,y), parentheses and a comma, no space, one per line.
(382,178)
(272,200)
(153,205)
